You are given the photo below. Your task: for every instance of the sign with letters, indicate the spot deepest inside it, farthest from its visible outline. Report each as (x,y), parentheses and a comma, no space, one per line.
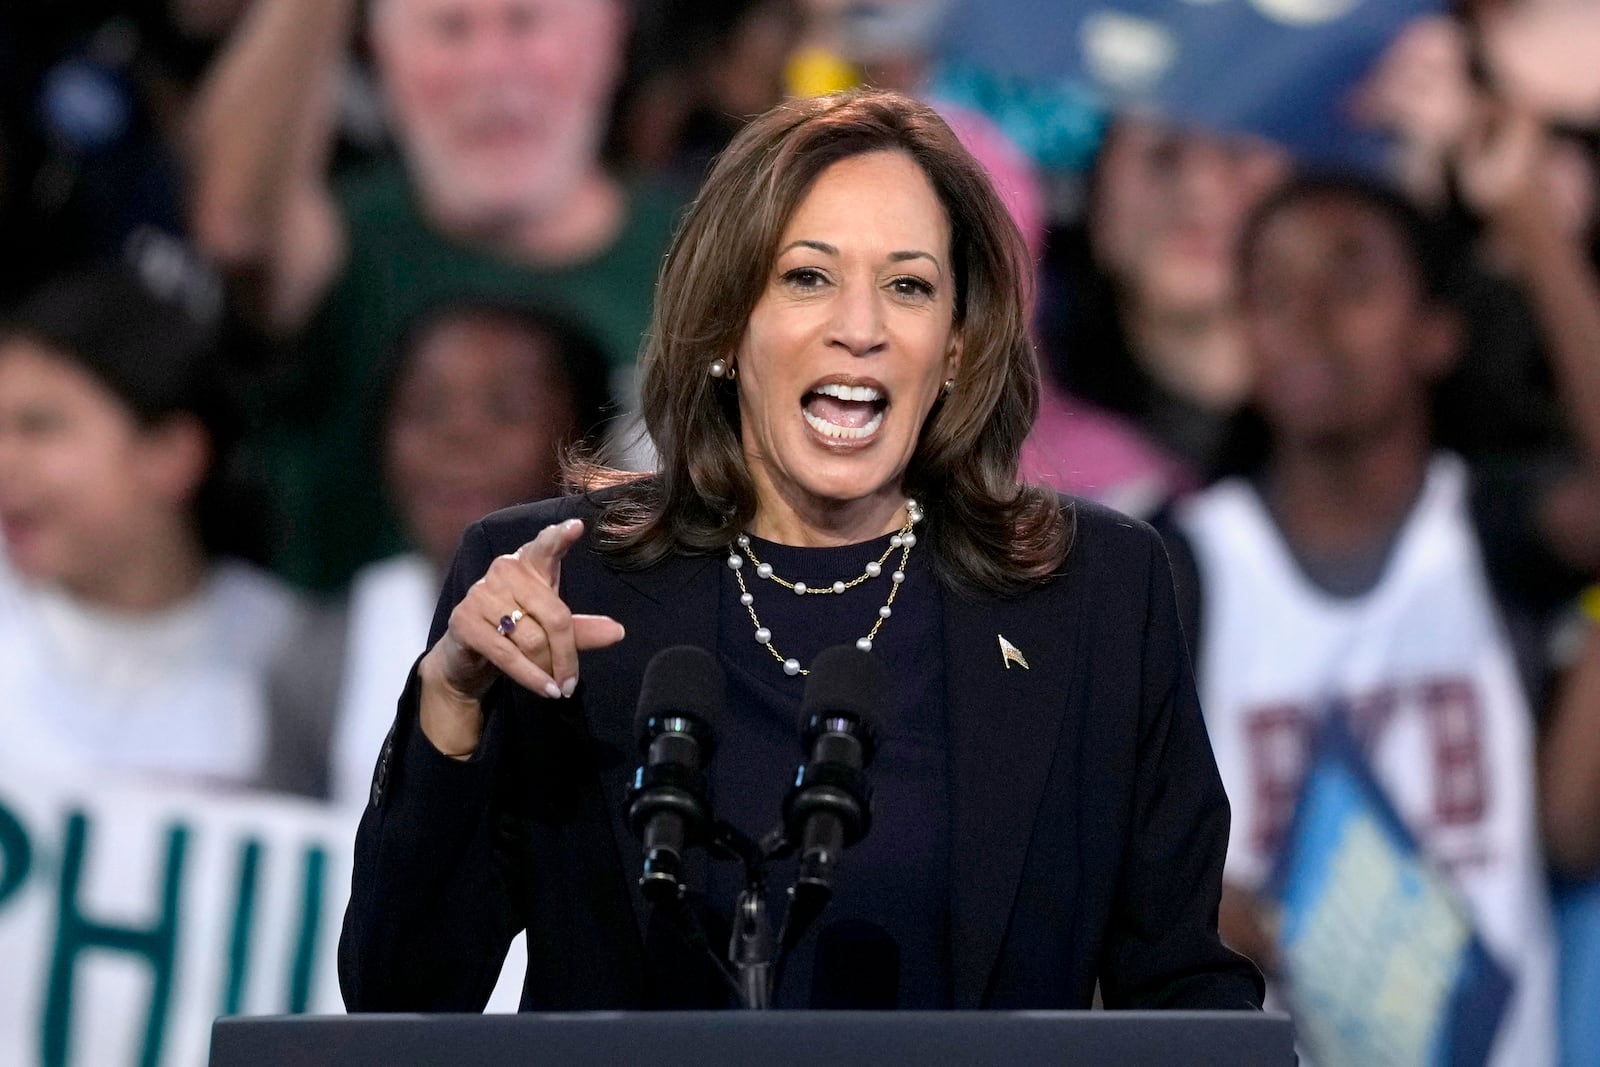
(131,917)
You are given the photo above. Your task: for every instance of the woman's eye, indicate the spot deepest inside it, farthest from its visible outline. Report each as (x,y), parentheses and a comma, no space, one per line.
(911,285)
(805,278)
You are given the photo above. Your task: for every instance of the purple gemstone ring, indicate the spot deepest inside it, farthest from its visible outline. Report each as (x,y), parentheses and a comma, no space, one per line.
(508,623)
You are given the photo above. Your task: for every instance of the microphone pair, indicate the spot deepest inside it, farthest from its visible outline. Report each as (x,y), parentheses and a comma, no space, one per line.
(827,808)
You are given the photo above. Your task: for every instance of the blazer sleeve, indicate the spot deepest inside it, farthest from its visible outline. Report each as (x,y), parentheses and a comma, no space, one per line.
(430,916)
(1163,950)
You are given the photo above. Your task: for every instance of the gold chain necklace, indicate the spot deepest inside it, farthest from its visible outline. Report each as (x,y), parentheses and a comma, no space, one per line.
(905,540)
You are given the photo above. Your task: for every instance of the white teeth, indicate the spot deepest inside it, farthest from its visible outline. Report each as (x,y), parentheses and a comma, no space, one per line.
(844,433)
(849,392)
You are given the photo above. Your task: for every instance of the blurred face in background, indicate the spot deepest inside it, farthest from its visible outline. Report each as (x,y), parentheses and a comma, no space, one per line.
(478,417)
(501,105)
(1168,209)
(745,75)
(1345,337)
(82,482)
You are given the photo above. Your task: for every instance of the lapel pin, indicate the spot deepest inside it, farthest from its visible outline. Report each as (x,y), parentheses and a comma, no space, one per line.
(1011,653)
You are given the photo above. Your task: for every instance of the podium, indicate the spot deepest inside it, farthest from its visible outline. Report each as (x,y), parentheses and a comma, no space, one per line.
(771,1038)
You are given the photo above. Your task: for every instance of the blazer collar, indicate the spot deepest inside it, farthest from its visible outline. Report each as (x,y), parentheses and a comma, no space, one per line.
(1004,724)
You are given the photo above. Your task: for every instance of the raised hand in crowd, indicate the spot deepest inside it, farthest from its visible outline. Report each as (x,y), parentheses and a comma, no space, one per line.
(1542,54)
(1531,198)
(1421,91)
(262,133)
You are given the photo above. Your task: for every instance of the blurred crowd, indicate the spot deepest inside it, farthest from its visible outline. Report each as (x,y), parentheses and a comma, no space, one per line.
(294,290)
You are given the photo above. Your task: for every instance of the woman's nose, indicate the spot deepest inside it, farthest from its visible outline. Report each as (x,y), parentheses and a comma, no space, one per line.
(857,318)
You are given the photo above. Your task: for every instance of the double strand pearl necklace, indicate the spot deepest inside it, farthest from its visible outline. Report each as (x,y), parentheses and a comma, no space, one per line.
(905,540)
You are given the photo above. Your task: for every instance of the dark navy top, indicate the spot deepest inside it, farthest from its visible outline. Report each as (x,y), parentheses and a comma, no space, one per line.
(882,942)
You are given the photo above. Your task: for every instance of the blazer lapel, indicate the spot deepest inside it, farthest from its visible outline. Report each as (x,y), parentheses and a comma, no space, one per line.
(1004,724)
(672,603)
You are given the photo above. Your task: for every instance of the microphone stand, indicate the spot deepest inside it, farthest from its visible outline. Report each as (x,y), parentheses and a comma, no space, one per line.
(750,943)
(750,949)
(754,966)
(755,957)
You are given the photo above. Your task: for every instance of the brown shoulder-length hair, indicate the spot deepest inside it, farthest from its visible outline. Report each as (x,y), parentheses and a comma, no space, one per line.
(986,532)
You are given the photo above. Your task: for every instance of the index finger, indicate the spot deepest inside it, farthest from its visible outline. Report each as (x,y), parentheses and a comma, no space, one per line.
(545,552)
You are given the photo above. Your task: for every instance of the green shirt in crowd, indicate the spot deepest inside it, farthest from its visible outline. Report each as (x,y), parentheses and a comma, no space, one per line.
(318,446)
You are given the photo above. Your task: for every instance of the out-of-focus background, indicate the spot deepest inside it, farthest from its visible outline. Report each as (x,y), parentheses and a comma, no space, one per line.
(293,290)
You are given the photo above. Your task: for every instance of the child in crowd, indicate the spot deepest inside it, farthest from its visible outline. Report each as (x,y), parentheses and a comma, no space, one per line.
(1358,567)
(132,640)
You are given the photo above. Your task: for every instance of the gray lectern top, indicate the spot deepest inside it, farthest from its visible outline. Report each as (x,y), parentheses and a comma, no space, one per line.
(771,1039)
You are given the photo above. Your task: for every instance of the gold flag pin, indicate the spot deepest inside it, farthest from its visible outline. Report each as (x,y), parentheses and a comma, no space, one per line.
(1011,653)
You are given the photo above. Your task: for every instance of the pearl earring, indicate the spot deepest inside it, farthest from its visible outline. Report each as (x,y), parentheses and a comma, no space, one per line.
(717,368)
(949,384)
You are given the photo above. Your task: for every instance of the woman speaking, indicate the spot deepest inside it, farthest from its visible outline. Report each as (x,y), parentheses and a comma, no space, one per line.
(838,380)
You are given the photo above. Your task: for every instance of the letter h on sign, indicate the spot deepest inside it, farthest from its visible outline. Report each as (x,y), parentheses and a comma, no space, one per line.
(77,934)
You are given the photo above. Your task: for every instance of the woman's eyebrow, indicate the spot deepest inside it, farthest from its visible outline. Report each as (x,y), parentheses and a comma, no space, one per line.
(900,257)
(894,257)
(820,246)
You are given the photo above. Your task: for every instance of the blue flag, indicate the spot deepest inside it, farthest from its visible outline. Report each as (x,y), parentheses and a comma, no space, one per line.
(1383,961)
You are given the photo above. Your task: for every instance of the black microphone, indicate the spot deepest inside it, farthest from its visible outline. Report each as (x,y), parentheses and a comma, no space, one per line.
(680,705)
(829,807)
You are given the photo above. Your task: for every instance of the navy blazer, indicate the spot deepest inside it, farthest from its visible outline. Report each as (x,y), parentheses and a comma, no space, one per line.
(1089,823)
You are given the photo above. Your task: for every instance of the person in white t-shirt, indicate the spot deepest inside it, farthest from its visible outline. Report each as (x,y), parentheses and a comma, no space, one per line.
(131,643)
(1360,568)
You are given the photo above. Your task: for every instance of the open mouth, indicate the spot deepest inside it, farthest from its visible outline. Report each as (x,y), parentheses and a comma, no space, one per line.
(845,412)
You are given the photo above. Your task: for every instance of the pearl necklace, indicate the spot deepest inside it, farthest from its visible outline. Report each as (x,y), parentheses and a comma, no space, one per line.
(905,540)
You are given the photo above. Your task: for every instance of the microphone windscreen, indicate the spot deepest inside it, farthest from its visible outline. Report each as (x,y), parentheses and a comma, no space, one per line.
(843,681)
(680,681)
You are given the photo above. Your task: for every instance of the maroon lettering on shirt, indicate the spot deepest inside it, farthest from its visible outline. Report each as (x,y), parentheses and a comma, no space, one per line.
(1279,736)
(1455,729)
